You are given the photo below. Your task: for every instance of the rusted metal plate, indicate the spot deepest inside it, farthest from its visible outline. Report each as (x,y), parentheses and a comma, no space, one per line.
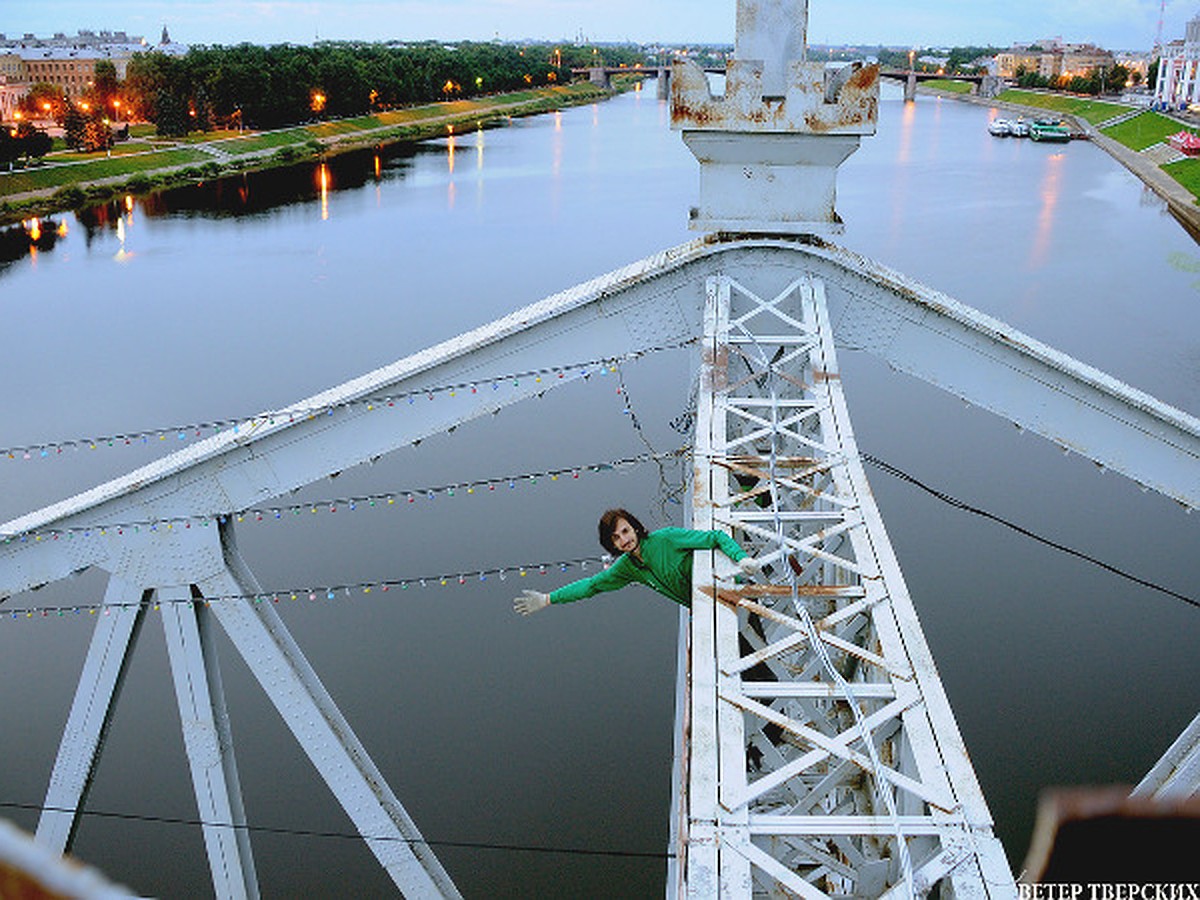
(817,100)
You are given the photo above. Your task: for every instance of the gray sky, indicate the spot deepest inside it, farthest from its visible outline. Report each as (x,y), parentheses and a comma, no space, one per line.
(1117,24)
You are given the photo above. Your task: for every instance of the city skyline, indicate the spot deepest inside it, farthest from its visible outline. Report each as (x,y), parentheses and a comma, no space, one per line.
(1117,24)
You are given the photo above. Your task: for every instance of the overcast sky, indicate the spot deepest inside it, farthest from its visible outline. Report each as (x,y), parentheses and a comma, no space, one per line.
(1117,24)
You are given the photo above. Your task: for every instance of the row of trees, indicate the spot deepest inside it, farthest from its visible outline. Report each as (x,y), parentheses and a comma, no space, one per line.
(269,87)
(1100,80)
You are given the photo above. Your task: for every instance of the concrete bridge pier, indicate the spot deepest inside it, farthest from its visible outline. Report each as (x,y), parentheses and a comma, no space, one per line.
(664,83)
(598,75)
(910,87)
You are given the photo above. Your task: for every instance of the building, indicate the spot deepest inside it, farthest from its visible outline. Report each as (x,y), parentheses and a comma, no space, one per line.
(10,96)
(69,62)
(1051,58)
(1079,59)
(1178,84)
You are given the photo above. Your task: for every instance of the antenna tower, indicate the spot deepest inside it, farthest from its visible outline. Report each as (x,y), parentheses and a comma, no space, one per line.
(1162,11)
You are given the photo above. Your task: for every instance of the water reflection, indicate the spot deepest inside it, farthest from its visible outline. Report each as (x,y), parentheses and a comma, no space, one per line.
(31,237)
(323,184)
(899,184)
(1049,193)
(248,194)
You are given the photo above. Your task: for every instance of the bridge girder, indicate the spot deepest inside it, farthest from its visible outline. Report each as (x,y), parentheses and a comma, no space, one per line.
(649,304)
(657,302)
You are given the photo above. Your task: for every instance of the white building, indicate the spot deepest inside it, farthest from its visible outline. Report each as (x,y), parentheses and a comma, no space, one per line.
(1179,71)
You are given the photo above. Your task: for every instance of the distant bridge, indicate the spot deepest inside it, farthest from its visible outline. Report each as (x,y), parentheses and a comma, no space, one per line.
(602,76)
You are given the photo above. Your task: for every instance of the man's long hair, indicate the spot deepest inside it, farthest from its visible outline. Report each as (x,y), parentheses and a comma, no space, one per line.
(608,524)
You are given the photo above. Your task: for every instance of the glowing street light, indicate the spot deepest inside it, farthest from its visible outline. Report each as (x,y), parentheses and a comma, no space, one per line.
(317,102)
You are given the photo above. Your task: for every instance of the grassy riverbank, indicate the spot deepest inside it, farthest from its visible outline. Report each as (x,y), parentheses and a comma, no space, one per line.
(1144,130)
(71,180)
(1092,111)
(949,85)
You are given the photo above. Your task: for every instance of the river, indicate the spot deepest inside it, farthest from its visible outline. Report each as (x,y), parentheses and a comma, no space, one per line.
(204,304)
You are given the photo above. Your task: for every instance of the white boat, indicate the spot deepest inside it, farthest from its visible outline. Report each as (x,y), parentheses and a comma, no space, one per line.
(1019,128)
(1000,127)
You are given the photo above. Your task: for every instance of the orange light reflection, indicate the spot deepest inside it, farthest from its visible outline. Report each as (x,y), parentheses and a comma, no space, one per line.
(1051,188)
(323,182)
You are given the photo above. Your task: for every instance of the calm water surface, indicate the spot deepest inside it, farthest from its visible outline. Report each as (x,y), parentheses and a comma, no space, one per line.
(208,303)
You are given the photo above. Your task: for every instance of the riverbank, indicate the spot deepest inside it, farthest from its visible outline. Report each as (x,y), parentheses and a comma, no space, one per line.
(1181,201)
(63,185)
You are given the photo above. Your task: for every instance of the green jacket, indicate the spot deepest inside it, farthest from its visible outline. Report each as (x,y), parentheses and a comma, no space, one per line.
(666,566)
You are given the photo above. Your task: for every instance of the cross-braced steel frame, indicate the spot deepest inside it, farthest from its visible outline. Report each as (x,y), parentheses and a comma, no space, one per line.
(793,785)
(823,759)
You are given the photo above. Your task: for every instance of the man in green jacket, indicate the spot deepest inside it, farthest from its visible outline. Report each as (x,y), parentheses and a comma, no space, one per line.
(661,560)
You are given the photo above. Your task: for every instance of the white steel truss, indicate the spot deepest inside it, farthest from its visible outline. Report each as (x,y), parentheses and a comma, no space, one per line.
(823,758)
(847,580)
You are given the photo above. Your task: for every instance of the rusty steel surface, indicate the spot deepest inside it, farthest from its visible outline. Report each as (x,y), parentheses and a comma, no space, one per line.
(817,100)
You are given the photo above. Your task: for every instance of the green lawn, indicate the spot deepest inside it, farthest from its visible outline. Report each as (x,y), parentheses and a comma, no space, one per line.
(954,87)
(268,141)
(127,161)
(1187,173)
(1144,130)
(122,149)
(1093,111)
(61,176)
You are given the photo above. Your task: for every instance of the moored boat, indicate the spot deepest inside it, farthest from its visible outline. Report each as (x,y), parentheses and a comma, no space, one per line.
(1049,130)
(1000,127)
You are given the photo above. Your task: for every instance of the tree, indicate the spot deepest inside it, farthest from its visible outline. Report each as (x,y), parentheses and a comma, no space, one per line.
(44,100)
(1152,74)
(1116,78)
(74,123)
(105,87)
(172,119)
(97,134)
(36,144)
(10,147)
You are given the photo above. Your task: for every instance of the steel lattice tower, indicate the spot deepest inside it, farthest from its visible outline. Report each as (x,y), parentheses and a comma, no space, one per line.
(823,756)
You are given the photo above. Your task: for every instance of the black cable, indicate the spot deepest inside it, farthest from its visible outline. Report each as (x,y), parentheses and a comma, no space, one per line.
(340,835)
(1000,520)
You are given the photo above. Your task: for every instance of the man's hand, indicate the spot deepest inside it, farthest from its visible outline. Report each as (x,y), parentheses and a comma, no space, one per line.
(530,602)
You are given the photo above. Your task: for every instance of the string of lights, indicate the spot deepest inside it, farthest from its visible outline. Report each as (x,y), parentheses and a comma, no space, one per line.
(327,592)
(236,424)
(351,503)
(340,835)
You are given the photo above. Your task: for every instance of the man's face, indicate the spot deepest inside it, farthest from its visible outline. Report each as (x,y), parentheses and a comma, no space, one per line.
(624,538)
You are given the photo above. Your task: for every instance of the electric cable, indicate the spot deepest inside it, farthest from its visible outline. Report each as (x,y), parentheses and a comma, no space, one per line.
(338,835)
(953,501)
